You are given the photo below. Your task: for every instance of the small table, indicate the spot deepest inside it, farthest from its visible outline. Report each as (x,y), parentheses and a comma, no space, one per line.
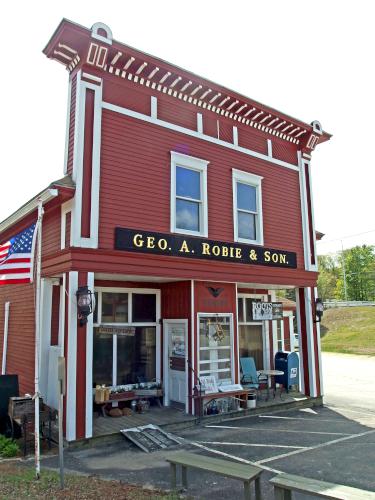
(270,374)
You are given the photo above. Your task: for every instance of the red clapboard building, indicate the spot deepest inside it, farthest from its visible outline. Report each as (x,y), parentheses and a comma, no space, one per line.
(182,204)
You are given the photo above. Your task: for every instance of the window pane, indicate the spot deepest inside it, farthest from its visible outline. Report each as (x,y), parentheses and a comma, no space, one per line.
(188,183)
(246,226)
(102,359)
(251,344)
(214,332)
(249,309)
(187,215)
(114,307)
(240,310)
(136,356)
(246,197)
(144,307)
(217,354)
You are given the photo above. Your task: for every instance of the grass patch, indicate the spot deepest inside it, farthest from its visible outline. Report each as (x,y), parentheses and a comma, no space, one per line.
(18,481)
(349,330)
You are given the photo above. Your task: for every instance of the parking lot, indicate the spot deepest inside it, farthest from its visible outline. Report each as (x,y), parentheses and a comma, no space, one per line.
(320,443)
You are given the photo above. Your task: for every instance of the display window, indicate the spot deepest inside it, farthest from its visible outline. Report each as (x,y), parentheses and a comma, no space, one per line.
(126,337)
(251,340)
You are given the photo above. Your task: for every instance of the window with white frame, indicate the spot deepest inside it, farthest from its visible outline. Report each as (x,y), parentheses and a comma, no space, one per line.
(215,347)
(125,336)
(188,195)
(247,207)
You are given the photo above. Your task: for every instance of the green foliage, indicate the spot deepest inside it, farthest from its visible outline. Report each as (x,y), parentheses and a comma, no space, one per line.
(359,265)
(8,448)
(360,276)
(328,276)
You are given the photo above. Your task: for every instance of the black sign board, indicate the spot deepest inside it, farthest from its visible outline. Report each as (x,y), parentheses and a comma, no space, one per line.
(149,242)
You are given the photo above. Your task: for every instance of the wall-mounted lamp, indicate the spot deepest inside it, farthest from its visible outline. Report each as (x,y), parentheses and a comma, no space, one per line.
(319,309)
(85,304)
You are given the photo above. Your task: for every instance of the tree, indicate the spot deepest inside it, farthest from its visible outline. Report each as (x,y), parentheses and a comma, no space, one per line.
(360,273)
(328,276)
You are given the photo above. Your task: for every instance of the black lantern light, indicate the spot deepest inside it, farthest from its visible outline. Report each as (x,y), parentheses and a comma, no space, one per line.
(319,309)
(85,304)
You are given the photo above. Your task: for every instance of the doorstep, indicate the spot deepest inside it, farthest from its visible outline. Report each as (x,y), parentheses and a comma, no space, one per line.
(185,421)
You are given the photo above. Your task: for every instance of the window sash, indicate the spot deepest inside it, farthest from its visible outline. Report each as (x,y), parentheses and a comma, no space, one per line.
(199,166)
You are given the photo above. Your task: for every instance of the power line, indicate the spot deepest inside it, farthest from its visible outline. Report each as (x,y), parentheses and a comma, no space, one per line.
(346,237)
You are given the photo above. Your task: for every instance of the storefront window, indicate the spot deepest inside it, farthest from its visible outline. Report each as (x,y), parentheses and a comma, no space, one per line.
(215,356)
(114,307)
(144,308)
(136,356)
(124,348)
(102,358)
(251,343)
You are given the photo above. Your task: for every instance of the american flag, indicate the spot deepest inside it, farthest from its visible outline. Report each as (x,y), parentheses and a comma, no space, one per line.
(16,258)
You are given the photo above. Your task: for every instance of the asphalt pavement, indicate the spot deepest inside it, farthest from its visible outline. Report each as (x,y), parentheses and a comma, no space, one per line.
(334,443)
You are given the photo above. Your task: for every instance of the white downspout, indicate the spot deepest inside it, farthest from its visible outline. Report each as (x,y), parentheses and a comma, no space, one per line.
(5,342)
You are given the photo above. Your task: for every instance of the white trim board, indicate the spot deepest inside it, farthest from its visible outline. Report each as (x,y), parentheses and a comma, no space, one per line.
(197,135)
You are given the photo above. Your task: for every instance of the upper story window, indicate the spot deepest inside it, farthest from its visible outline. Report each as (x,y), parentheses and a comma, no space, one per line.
(188,195)
(247,207)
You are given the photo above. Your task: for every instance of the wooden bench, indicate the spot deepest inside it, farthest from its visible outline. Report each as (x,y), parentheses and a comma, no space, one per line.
(284,484)
(243,472)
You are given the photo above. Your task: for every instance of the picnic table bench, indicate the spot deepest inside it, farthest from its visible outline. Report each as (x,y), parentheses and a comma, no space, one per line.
(284,484)
(243,472)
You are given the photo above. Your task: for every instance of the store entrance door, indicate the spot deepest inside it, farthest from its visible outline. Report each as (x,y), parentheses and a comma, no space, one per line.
(175,373)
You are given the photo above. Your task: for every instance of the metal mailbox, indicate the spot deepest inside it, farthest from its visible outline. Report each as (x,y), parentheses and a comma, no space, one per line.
(288,362)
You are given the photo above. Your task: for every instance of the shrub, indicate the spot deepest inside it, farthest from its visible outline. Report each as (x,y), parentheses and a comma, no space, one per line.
(8,448)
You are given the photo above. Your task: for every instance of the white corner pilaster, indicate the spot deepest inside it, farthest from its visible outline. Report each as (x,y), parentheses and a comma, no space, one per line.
(45,333)
(79,135)
(89,362)
(71,361)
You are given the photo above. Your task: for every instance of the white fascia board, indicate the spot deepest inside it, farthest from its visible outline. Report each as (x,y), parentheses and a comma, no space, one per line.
(44,197)
(193,133)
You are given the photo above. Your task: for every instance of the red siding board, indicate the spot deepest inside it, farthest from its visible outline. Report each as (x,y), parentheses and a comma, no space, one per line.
(125,95)
(21,333)
(55,315)
(141,197)
(51,231)
(285,151)
(72,114)
(250,138)
(170,111)
(87,164)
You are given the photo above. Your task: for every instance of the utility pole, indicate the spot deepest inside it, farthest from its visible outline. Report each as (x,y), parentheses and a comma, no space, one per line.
(344,271)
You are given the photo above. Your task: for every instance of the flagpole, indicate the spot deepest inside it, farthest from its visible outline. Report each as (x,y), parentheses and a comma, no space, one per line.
(37,336)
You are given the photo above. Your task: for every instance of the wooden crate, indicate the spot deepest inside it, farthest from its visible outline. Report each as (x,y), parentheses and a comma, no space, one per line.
(18,407)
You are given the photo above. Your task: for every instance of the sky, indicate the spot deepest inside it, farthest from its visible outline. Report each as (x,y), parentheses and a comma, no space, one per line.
(311,60)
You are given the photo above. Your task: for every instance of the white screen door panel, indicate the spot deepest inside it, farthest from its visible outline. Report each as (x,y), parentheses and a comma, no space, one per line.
(175,357)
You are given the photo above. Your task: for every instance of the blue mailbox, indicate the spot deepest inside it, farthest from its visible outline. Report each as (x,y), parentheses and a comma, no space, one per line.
(288,362)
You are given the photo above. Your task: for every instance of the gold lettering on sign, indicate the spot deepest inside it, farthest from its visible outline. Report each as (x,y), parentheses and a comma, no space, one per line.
(216,250)
(138,241)
(253,255)
(267,256)
(206,249)
(225,252)
(238,253)
(184,247)
(150,242)
(162,244)
(282,258)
